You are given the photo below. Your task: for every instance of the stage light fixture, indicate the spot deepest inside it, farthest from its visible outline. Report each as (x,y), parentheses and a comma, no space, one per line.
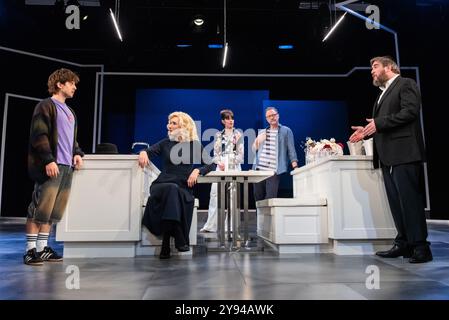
(225,55)
(334,27)
(115,24)
(215,46)
(198,22)
(285,46)
(226,46)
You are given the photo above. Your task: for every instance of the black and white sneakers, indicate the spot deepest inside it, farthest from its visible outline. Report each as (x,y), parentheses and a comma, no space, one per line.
(48,254)
(32,258)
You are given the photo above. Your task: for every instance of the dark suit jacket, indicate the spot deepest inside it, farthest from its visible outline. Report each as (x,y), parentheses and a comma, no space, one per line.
(398,139)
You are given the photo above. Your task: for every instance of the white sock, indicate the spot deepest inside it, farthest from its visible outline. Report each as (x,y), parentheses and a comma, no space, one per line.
(31,241)
(42,240)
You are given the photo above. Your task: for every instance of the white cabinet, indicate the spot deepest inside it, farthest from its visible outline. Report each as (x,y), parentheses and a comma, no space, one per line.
(104,212)
(359,216)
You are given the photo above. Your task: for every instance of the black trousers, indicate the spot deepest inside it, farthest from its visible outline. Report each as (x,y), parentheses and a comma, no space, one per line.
(402,183)
(266,189)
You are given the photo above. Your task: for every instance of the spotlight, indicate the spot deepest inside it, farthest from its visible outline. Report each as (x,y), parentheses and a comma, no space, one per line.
(198,22)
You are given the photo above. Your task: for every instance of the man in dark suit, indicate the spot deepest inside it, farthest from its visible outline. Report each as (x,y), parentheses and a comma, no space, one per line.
(399,151)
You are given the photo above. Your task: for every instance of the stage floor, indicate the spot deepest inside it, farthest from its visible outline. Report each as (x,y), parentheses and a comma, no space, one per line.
(223,275)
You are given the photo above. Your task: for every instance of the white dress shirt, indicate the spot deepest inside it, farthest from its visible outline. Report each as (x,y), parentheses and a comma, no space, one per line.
(387,84)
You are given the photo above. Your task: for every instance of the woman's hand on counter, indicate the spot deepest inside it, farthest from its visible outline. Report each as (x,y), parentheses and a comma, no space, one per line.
(143,159)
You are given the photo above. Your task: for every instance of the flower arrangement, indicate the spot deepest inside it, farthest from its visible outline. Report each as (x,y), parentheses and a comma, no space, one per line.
(325,147)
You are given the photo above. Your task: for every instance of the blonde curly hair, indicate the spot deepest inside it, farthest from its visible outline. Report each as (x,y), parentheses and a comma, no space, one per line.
(186,122)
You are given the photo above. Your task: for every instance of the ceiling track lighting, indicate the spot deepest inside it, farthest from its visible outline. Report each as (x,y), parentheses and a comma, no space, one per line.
(225,54)
(115,24)
(225,43)
(334,27)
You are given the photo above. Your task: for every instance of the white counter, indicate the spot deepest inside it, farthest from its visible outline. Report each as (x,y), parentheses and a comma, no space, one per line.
(105,208)
(358,210)
(104,212)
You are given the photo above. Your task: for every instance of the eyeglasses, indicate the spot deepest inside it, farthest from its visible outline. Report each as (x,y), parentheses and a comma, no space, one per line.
(272,115)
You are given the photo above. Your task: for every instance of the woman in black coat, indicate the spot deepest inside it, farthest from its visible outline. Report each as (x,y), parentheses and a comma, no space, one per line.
(170,206)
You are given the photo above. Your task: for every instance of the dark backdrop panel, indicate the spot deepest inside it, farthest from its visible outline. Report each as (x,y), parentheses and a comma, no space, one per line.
(17,187)
(26,75)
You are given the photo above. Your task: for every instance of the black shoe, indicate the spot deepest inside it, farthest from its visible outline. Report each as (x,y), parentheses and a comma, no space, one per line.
(183,248)
(395,252)
(32,258)
(48,254)
(421,255)
(165,253)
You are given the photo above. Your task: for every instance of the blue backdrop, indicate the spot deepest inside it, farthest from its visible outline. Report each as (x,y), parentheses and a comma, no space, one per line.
(317,119)
(154,105)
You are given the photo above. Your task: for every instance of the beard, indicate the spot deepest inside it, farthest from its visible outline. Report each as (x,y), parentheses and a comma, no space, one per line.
(381,80)
(179,135)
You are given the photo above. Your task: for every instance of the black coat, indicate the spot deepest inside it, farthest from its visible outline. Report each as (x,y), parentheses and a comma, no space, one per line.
(398,139)
(170,197)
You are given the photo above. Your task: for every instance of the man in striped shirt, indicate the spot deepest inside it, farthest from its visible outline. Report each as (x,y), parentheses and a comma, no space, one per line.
(275,147)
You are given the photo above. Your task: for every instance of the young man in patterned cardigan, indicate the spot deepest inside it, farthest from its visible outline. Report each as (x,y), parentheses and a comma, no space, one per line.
(53,153)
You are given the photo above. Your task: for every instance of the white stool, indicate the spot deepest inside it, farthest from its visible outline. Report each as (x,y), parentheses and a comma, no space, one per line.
(288,222)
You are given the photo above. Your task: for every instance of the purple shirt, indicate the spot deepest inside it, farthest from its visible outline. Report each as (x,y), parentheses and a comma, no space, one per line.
(65,122)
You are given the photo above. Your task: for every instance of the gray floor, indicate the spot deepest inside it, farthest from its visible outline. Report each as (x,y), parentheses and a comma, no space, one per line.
(223,275)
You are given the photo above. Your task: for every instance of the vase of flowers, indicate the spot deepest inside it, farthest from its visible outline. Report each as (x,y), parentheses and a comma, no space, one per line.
(322,149)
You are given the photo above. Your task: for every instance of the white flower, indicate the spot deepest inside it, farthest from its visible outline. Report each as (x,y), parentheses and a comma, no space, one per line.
(328,145)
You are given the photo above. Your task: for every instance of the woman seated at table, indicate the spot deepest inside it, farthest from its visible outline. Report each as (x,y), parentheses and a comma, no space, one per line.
(169,208)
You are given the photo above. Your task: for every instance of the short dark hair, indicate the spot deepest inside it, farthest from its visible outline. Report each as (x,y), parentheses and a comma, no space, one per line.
(271,108)
(226,114)
(62,76)
(386,61)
